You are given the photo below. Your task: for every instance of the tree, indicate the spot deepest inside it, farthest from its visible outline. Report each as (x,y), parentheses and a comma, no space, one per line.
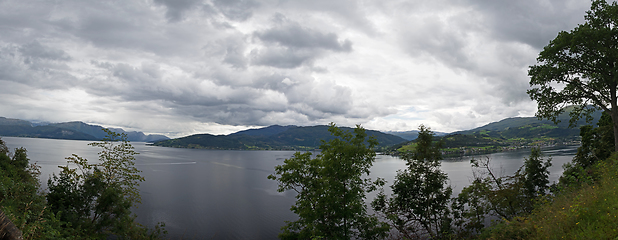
(331,189)
(419,205)
(580,68)
(597,143)
(504,196)
(19,187)
(96,197)
(535,176)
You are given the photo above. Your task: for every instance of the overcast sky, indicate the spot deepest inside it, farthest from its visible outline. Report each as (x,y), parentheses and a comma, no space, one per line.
(180,67)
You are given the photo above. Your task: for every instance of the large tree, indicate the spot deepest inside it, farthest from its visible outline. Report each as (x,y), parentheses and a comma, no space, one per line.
(332,189)
(580,68)
(96,198)
(419,205)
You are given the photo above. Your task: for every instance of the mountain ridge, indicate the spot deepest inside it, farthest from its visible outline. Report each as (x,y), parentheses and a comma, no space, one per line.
(74,130)
(270,138)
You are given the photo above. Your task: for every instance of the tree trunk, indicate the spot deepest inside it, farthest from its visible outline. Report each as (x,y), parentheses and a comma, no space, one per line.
(8,230)
(614,113)
(615,124)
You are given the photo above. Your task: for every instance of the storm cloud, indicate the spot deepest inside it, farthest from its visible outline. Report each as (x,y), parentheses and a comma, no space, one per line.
(193,66)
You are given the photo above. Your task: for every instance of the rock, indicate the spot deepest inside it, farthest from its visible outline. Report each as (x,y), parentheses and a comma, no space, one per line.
(8,230)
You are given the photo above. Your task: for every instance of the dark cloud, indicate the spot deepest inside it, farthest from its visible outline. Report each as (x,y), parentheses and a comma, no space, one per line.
(494,41)
(176,8)
(529,21)
(432,36)
(250,63)
(352,13)
(221,101)
(283,57)
(38,51)
(237,10)
(290,45)
(293,35)
(229,50)
(35,65)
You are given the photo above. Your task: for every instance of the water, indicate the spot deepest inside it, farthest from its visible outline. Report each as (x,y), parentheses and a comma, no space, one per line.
(214,194)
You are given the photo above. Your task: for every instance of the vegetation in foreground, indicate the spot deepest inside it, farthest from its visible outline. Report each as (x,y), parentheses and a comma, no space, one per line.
(85,201)
(332,187)
(588,210)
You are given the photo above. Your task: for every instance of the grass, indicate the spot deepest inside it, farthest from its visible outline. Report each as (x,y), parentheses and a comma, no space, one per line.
(582,212)
(409,147)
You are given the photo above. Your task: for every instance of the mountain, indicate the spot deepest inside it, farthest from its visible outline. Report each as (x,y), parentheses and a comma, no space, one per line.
(68,130)
(13,122)
(264,132)
(311,136)
(272,137)
(410,135)
(531,127)
(509,133)
(20,128)
(98,133)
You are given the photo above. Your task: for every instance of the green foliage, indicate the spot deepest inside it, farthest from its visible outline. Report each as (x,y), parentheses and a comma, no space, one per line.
(586,211)
(331,189)
(597,145)
(19,198)
(79,204)
(419,205)
(536,176)
(96,198)
(578,68)
(509,197)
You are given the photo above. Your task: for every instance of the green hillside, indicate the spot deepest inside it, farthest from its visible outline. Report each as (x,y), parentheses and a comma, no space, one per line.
(69,130)
(508,134)
(586,210)
(273,137)
(20,128)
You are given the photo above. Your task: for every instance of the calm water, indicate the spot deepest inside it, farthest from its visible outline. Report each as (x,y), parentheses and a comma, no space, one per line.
(211,194)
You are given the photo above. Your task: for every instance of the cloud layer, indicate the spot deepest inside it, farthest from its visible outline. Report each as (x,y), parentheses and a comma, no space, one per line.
(192,66)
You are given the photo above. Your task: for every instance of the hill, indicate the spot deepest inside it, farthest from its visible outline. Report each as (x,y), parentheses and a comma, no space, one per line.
(264,132)
(585,209)
(507,134)
(272,137)
(98,133)
(69,130)
(410,135)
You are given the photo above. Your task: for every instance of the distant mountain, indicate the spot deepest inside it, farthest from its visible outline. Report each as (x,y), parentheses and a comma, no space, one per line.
(410,135)
(273,137)
(14,122)
(98,133)
(68,130)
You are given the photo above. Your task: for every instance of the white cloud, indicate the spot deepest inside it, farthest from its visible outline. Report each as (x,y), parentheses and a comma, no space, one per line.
(191,66)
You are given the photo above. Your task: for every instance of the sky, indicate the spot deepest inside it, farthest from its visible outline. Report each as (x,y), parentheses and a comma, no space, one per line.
(181,67)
